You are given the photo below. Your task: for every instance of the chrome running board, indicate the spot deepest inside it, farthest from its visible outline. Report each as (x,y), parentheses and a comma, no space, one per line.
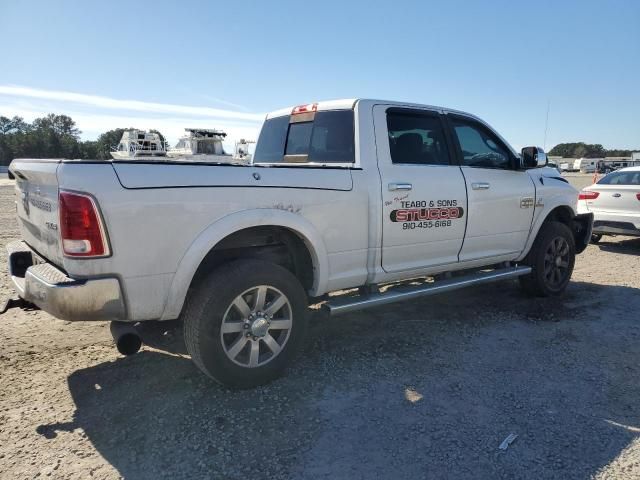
(342,305)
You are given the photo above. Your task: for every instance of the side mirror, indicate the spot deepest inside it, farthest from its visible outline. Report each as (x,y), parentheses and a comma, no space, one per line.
(532,157)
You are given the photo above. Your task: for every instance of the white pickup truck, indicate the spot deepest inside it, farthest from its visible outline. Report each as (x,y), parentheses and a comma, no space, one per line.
(348,194)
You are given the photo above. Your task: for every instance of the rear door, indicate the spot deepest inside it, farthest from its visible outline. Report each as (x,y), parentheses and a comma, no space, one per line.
(423,192)
(501,198)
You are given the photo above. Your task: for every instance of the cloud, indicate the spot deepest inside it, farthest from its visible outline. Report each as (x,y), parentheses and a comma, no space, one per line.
(96,114)
(131,105)
(224,102)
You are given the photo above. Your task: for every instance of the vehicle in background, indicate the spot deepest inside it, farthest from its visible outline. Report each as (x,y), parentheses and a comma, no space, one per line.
(604,168)
(242,151)
(139,145)
(602,165)
(585,165)
(565,167)
(615,202)
(201,145)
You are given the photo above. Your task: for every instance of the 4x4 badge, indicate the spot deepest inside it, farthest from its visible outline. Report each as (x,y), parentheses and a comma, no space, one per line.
(526,202)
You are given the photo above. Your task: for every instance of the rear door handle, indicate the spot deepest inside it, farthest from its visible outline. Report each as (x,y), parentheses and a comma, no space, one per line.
(480,186)
(400,186)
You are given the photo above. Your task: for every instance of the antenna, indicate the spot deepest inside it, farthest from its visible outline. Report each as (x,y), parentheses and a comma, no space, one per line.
(546,125)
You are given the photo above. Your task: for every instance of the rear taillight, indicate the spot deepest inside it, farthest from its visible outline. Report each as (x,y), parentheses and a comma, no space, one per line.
(638,196)
(587,195)
(81,226)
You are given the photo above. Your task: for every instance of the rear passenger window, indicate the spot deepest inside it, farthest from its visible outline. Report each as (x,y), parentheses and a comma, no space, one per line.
(416,138)
(327,138)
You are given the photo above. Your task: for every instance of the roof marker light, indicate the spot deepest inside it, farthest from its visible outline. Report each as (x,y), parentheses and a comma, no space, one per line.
(309,108)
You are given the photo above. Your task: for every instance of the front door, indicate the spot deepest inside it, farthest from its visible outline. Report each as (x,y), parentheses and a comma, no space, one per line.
(501,197)
(423,193)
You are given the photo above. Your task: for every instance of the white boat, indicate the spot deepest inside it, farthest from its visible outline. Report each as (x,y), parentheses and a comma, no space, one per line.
(242,150)
(203,145)
(138,145)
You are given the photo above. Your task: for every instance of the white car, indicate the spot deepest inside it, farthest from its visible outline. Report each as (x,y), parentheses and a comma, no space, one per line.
(615,202)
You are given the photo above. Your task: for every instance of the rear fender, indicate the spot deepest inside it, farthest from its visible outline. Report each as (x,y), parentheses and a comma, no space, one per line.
(235,222)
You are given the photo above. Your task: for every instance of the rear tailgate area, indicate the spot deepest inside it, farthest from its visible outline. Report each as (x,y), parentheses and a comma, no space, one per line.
(37,205)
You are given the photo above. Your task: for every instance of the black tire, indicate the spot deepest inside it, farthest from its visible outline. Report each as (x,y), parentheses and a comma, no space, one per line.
(209,305)
(596,237)
(550,276)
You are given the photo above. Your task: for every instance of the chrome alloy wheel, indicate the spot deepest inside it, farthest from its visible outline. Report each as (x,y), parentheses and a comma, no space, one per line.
(556,262)
(256,326)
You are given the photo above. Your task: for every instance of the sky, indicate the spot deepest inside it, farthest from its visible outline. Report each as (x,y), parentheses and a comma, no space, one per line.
(170,65)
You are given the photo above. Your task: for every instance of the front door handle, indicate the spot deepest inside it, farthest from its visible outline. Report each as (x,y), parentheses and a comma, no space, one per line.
(400,186)
(480,186)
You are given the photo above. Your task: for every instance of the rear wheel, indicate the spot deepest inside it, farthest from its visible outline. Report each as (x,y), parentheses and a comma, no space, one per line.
(244,322)
(551,259)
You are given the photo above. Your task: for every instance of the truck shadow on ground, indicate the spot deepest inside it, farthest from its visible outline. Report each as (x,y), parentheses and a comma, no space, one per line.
(627,247)
(428,389)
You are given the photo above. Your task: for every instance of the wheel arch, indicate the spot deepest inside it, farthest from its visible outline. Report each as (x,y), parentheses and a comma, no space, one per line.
(558,210)
(245,229)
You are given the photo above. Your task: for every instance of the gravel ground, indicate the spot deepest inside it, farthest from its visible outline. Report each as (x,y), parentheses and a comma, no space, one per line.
(427,389)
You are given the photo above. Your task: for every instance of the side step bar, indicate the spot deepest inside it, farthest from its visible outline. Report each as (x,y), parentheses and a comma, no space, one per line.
(342,305)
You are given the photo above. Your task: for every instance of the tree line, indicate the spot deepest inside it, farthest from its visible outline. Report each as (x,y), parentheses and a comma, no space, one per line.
(56,136)
(53,136)
(587,150)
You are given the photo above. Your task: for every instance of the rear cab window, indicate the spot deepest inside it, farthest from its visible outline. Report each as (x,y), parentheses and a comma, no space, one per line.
(324,137)
(416,138)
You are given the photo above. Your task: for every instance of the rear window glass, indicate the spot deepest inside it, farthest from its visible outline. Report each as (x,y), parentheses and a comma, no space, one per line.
(326,139)
(621,178)
(299,138)
(270,146)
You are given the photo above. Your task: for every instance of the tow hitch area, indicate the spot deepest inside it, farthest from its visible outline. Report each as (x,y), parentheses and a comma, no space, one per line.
(9,303)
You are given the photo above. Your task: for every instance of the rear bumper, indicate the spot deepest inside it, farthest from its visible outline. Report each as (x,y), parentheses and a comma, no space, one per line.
(48,287)
(618,223)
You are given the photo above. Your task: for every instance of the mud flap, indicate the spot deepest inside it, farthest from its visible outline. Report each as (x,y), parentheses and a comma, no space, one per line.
(582,229)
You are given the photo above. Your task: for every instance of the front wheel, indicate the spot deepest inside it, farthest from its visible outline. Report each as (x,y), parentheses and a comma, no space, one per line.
(244,322)
(551,259)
